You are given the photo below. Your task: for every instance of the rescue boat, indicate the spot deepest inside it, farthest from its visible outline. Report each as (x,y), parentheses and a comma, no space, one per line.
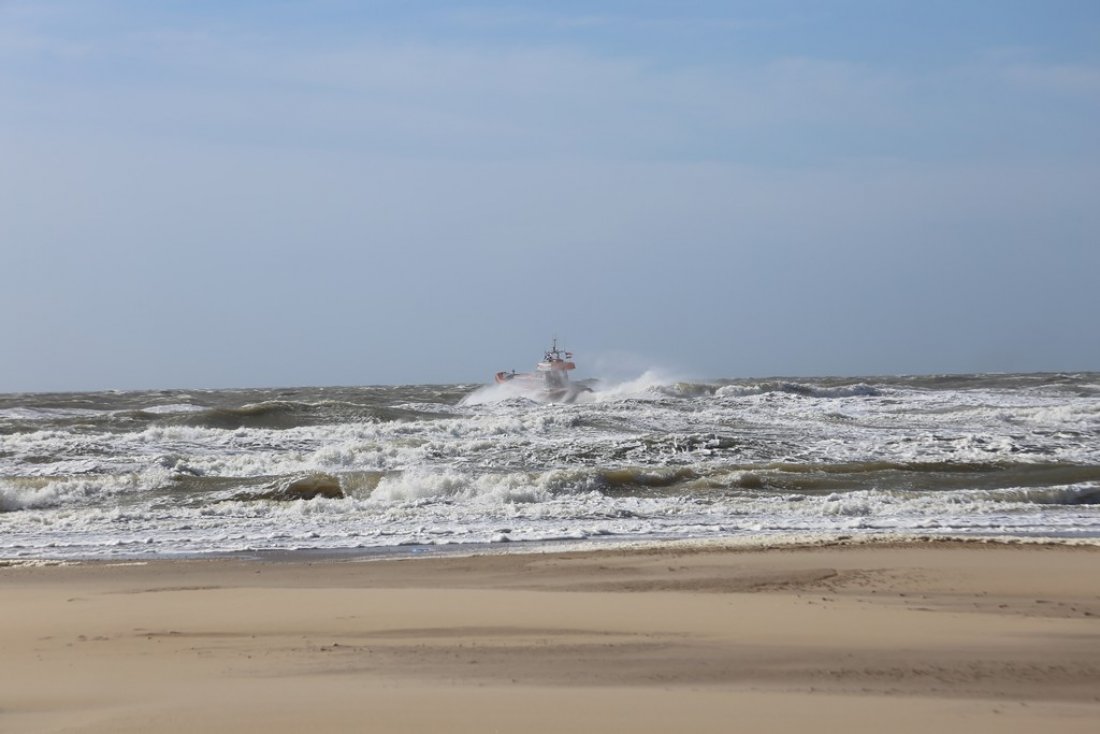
(550,380)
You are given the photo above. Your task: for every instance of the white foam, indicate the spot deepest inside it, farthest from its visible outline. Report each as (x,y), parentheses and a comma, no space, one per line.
(173,408)
(41,414)
(73,492)
(501,392)
(512,470)
(647,386)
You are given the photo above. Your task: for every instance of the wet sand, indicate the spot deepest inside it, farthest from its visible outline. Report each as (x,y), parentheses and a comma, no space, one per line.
(904,638)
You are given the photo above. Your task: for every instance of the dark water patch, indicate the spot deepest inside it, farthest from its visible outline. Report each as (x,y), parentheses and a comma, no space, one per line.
(910,476)
(1081,384)
(195,490)
(228,409)
(61,423)
(15,427)
(299,488)
(272,414)
(632,481)
(1087,496)
(282,415)
(1037,483)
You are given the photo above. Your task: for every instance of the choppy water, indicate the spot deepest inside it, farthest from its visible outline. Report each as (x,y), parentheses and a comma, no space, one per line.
(174,472)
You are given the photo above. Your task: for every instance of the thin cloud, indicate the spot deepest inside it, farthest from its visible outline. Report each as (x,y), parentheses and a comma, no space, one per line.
(485,18)
(466,98)
(1070,79)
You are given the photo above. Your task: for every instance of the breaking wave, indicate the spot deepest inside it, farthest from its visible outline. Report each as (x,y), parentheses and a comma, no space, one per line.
(798,388)
(653,456)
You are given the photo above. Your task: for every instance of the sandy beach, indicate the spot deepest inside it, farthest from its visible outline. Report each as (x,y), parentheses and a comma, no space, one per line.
(912,637)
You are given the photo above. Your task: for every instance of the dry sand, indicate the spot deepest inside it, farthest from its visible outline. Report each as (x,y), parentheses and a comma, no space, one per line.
(898,638)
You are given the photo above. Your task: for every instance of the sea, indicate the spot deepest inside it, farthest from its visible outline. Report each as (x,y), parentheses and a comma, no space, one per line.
(435,468)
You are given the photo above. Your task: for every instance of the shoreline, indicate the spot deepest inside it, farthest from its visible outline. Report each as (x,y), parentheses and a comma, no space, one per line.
(842,637)
(591,545)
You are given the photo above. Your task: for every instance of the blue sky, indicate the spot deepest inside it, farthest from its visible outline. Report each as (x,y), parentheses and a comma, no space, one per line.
(204,194)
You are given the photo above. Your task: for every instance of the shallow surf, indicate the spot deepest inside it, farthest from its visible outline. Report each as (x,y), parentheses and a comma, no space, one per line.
(134,474)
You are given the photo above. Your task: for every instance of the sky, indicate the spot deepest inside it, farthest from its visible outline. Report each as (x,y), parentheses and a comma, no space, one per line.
(243,193)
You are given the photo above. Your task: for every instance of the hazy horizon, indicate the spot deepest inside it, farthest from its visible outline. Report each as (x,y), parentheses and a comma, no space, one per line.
(656,376)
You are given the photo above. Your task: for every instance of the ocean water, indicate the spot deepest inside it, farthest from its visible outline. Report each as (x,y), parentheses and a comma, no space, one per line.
(170,473)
